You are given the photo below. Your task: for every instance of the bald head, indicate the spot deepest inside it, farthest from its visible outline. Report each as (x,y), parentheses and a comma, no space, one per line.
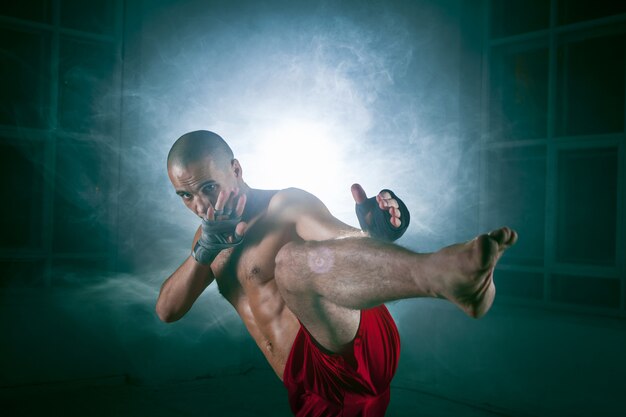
(197,145)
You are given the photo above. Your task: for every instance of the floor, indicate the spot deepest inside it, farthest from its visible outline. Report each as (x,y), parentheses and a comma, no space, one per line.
(263,395)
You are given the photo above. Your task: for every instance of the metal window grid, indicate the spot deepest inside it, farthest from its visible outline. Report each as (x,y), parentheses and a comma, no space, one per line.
(553,144)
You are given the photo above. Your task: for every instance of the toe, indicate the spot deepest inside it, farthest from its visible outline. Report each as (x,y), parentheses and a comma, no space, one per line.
(486,247)
(501,236)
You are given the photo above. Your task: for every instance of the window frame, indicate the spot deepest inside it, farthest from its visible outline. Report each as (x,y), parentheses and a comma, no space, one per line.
(50,135)
(556,35)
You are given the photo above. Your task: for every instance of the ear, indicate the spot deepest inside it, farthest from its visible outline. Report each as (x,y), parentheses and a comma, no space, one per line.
(236,168)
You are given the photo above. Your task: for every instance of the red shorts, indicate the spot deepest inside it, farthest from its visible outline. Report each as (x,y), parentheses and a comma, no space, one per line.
(348,385)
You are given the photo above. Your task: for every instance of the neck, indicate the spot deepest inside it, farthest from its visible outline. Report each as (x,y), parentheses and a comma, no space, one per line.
(244,189)
(257,201)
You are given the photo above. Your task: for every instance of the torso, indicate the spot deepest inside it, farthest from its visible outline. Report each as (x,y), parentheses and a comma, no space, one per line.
(245,277)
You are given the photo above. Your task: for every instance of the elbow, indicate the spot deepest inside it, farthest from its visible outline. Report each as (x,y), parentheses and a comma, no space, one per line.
(166,318)
(166,315)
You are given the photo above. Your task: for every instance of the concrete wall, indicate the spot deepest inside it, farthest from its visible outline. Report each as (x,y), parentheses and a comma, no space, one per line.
(518,360)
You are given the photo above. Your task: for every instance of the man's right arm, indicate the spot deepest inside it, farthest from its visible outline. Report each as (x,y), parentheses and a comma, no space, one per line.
(183,287)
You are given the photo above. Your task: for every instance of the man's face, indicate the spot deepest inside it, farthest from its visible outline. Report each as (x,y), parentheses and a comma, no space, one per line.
(199,183)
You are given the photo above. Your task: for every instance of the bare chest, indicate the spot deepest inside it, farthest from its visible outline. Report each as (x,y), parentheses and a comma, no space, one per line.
(248,267)
(245,277)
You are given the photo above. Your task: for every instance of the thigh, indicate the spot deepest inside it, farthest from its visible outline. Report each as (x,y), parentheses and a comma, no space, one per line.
(333,327)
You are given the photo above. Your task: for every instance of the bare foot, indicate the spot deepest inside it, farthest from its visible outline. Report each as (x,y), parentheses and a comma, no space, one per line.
(470,267)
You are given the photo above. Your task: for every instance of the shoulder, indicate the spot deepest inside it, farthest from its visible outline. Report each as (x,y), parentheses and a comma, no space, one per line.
(308,214)
(292,197)
(293,203)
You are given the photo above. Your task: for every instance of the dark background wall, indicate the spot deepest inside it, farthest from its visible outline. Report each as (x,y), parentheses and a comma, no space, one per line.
(478,113)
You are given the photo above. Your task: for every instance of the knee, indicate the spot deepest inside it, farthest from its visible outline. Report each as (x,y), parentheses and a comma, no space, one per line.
(300,265)
(288,272)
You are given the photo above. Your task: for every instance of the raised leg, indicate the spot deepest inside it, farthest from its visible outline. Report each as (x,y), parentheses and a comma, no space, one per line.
(326,284)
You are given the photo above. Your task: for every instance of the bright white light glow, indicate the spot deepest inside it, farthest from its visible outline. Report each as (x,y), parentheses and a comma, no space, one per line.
(319,102)
(296,153)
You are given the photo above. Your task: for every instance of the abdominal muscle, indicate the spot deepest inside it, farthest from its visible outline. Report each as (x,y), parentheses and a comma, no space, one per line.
(246,280)
(271,324)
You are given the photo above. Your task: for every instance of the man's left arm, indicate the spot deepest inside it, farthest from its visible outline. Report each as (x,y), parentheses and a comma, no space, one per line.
(311,218)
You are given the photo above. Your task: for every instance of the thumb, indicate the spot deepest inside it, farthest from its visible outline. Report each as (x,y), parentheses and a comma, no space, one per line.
(358,193)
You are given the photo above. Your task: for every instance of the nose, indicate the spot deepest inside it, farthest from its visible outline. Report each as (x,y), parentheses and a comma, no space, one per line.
(202,204)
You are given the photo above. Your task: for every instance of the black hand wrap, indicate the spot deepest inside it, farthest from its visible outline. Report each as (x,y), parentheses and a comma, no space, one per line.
(380,227)
(215,238)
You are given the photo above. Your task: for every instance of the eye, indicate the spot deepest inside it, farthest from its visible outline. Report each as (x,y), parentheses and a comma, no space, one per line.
(209,188)
(185,196)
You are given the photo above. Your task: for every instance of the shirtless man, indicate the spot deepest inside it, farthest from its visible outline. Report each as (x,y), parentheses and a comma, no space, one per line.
(309,288)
